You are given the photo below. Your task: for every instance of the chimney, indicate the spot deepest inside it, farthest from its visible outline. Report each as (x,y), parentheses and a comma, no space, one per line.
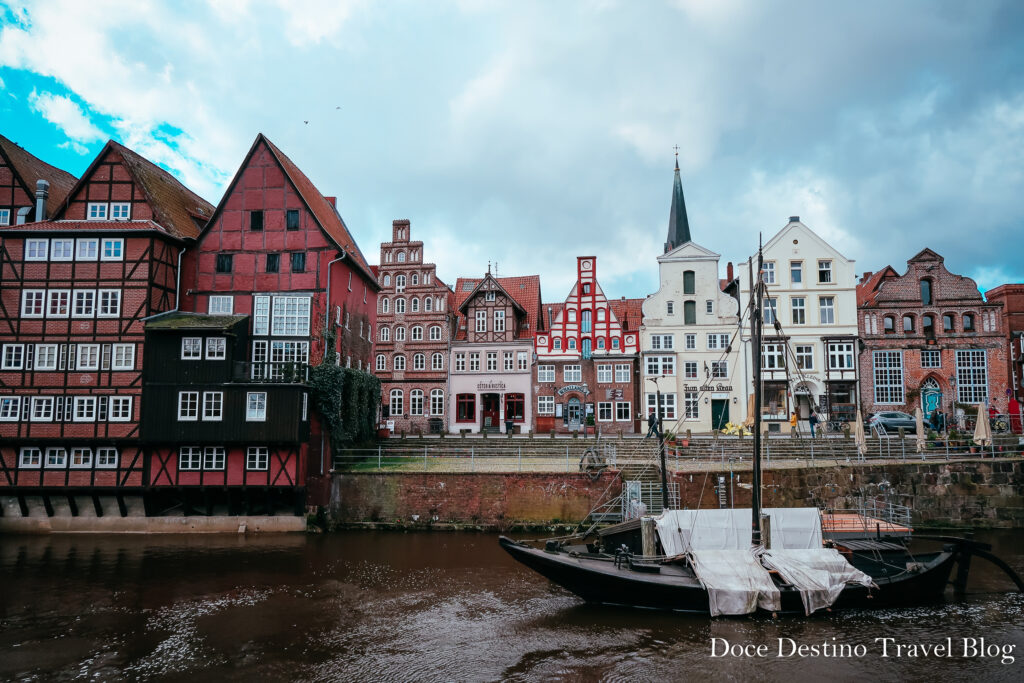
(794,219)
(549,317)
(23,213)
(729,272)
(42,193)
(333,201)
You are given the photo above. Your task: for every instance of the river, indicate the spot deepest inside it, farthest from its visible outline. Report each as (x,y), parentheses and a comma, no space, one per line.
(423,607)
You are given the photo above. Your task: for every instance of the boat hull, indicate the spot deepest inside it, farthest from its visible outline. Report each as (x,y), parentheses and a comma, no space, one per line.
(600,581)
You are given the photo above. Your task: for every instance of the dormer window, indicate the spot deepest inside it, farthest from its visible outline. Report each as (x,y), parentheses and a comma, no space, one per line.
(121,211)
(97,211)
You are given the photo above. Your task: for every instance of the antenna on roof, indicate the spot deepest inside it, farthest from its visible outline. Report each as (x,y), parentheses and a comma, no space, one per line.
(488,267)
(495,269)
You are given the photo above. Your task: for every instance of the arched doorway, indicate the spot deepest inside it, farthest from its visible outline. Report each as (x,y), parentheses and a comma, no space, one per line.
(573,414)
(931,396)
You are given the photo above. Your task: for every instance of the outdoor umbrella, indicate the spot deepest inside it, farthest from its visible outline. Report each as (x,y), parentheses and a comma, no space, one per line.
(858,435)
(749,422)
(919,419)
(982,431)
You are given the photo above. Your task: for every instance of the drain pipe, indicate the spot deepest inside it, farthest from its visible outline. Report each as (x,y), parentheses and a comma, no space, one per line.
(327,321)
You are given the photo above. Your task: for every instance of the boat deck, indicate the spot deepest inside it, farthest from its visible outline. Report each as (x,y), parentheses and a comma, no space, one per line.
(848,525)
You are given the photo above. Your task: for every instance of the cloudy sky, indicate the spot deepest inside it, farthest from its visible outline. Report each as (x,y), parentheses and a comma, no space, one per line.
(528,133)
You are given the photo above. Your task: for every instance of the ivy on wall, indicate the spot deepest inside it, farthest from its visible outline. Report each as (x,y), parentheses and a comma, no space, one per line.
(347,399)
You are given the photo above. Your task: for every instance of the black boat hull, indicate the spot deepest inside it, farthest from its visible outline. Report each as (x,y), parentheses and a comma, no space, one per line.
(600,581)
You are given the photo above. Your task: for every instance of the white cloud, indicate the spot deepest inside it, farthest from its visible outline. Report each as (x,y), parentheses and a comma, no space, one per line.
(79,149)
(66,115)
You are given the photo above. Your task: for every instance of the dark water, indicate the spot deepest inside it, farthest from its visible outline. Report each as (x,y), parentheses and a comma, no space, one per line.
(420,607)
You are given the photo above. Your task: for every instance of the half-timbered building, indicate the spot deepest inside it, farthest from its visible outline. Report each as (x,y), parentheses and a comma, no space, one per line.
(76,290)
(587,359)
(278,252)
(415,319)
(491,356)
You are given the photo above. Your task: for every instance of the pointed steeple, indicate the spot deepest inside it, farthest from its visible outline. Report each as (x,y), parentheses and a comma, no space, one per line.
(678,225)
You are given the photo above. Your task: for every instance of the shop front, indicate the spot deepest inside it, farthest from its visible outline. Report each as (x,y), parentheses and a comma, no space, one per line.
(491,405)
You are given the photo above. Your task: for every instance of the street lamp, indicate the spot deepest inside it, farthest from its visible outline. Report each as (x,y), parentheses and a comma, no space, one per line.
(586,392)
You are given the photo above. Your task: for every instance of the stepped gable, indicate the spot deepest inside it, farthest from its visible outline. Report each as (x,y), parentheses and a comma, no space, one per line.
(30,169)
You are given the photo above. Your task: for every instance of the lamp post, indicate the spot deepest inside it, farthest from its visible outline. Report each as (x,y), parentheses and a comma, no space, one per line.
(661,443)
(586,392)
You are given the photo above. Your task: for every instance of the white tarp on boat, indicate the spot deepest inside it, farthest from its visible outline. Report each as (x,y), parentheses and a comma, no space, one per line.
(683,530)
(820,574)
(735,581)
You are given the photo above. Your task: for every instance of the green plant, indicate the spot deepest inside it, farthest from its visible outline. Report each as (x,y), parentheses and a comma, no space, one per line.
(346,399)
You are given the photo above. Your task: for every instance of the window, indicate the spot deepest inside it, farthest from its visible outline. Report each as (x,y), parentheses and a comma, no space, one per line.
(428,304)
(572,343)
(827,310)
(604,373)
(888,371)
(81,457)
(668,405)
(947,322)
(419,362)
(797,305)
(112,249)
(622,372)
(515,407)
(85,303)
(719,369)
(889,324)
(604,412)
(399,305)
(298,262)
(718,341)
(971,376)
(399,283)
(85,409)
(586,349)
(385,305)
(399,334)
(36,250)
(291,218)
(387,281)
(382,362)
(465,408)
(585,321)
(213,458)
(256,220)
(10,408)
(804,357)
(509,364)
(481,321)
(191,348)
(223,263)
(414,279)
(106,456)
(188,406)
(414,304)
(62,249)
(689,313)
(768,272)
(32,303)
(796,272)
(623,412)
(545,373)
(436,402)
(928,325)
(926,292)
(840,356)
(663,341)
(213,405)
(120,211)
(824,272)
(291,316)
(30,457)
(256,457)
(190,458)
(88,357)
(661,365)
(401,257)
(56,457)
(437,361)
(769,311)
(399,362)
(545,405)
(773,356)
(931,358)
(474,362)
(5,216)
(615,342)
(491,296)
(273,263)
(670,307)
(557,344)
(435,332)
(908,324)
(499,321)
(120,408)
(46,356)
(256,406)
(709,306)
(110,303)
(415,402)
(691,405)
(96,211)
(88,249)
(14,357)
(572,373)
(968,322)
(417,333)
(385,334)
(492,361)
(42,409)
(690,342)
(689,282)
(460,362)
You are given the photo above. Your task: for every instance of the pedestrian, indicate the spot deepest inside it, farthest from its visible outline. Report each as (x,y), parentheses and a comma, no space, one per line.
(812,420)
(1015,416)
(792,422)
(652,424)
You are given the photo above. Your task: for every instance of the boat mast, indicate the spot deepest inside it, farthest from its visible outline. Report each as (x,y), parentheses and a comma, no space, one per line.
(755,353)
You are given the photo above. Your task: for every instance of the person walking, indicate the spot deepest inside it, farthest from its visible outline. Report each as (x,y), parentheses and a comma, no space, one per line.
(812,420)
(792,423)
(652,424)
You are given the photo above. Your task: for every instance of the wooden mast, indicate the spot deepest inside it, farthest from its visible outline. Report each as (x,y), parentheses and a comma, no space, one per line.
(755,352)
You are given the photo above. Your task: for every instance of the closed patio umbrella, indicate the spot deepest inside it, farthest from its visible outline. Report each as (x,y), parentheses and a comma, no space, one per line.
(919,419)
(858,435)
(982,430)
(749,422)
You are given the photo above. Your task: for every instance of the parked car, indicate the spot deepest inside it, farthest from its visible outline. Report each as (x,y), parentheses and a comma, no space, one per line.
(892,420)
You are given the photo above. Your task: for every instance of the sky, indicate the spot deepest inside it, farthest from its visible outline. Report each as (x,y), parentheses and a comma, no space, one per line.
(527,133)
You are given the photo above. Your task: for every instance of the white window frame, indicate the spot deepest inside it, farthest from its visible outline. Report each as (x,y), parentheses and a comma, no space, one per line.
(546,405)
(605,411)
(481,321)
(887,371)
(623,411)
(117,208)
(220,304)
(572,373)
(545,373)
(474,361)
(42,409)
(522,361)
(191,348)
(840,351)
(10,408)
(38,297)
(689,369)
(111,242)
(261,315)
(56,456)
(188,406)
(83,295)
(87,249)
(769,272)
(96,211)
(213,406)
(382,362)
(691,342)
(108,303)
(190,459)
(5,216)
(492,361)
(936,355)
(416,402)
(62,249)
(13,357)
(691,405)
(437,361)
(663,342)
(37,249)
(798,308)
(419,361)
(290,316)
(804,356)
(396,402)
(45,350)
(257,458)
(623,372)
(508,361)
(605,372)
(87,357)
(972,376)
(84,409)
(668,405)
(256,406)
(436,400)
(214,458)
(827,310)
(122,357)
(106,457)
(825,266)
(435,333)
(30,457)
(120,409)
(216,348)
(83,456)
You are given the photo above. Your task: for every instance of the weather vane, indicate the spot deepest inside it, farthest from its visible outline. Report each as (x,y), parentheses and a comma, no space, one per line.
(676,148)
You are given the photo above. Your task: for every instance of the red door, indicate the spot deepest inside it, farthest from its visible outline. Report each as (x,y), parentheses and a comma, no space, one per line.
(489,410)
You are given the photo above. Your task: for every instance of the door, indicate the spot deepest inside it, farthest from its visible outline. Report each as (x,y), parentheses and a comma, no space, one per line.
(489,410)
(719,413)
(931,397)
(573,410)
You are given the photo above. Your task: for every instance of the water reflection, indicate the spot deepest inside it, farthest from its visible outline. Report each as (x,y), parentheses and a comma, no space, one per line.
(415,606)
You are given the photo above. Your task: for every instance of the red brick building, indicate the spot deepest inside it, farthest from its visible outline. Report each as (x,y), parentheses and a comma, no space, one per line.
(930,340)
(277,253)
(76,290)
(588,359)
(1011,296)
(415,319)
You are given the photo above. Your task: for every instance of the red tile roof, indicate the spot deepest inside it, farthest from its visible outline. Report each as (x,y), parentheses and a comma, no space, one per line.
(628,311)
(30,169)
(524,290)
(869,285)
(87,226)
(322,209)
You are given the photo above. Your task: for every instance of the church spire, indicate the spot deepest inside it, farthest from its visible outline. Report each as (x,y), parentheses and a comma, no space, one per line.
(678,225)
